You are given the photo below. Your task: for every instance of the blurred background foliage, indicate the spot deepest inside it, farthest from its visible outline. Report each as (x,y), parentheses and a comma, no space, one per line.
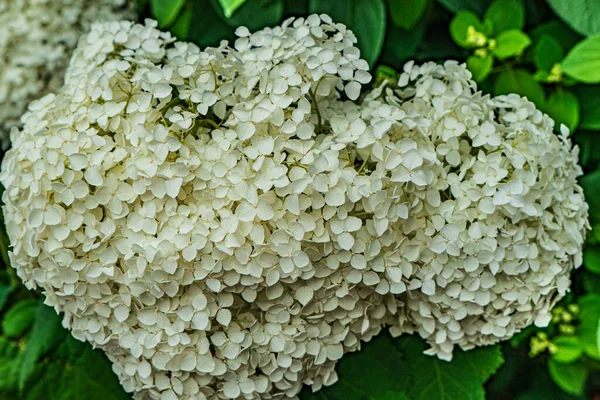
(547,50)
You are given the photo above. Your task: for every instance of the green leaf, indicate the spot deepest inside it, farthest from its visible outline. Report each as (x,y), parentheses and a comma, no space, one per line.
(558,31)
(591,259)
(563,108)
(480,67)
(366,18)
(511,43)
(19,318)
(378,370)
(503,15)
(181,27)
(256,14)
(401,45)
(207,28)
(10,358)
(5,291)
(569,377)
(460,379)
(47,332)
(165,12)
(589,325)
(568,349)
(581,15)
(547,52)
(591,189)
(521,82)
(476,6)
(230,6)
(589,99)
(591,282)
(406,13)
(76,372)
(583,61)
(460,25)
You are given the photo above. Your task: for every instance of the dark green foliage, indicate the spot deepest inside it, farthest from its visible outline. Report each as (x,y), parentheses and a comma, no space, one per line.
(548,51)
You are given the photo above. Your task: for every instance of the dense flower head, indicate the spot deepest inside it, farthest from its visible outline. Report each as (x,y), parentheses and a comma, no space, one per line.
(36,40)
(226,224)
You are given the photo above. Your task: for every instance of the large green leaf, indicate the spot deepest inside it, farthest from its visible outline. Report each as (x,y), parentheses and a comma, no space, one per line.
(46,333)
(165,11)
(207,28)
(379,369)
(581,15)
(75,372)
(19,318)
(460,379)
(406,13)
(366,18)
(476,6)
(591,259)
(547,53)
(570,377)
(256,14)
(589,100)
(557,30)
(521,82)
(583,61)
(230,6)
(387,368)
(589,326)
(563,107)
(401,45)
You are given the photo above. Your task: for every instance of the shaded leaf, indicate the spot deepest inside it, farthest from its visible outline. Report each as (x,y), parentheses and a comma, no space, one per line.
(476,6)
(589,99)
(521,82)
(558,31)
(547,52)
(366,18)
(401,45)
(46,333)
(181,27)
(460,379)
(563,108)
(406,13)
(581,15)
(19,318)
(378,371)
(230,6)
(165,12)
(256,14)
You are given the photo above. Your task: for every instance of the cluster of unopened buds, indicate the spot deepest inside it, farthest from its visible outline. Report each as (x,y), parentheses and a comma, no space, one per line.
(227,223)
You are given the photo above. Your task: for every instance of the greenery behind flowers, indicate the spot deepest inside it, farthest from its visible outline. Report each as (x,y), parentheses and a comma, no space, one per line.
(548,51)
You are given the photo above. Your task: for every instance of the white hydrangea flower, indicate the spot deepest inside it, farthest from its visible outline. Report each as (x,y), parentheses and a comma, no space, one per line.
(36,40)
(226,226)
(496,219)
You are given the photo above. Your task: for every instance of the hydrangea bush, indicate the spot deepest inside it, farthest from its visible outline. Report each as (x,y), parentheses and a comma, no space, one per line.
(36,40)
(228,222)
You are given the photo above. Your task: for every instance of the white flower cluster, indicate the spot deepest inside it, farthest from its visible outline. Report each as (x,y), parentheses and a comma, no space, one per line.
(36,40)
(225,226)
